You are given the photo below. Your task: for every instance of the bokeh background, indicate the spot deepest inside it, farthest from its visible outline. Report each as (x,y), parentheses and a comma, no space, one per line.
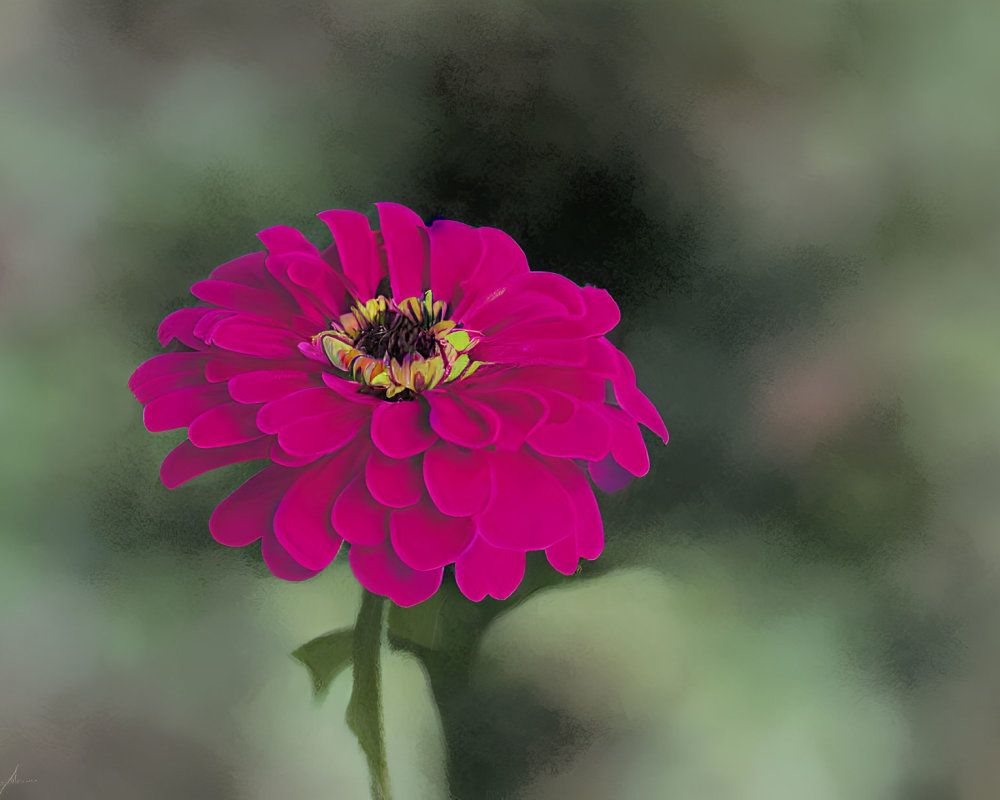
(793,201)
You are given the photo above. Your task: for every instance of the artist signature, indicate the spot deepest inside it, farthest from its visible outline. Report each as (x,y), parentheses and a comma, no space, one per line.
(14,780)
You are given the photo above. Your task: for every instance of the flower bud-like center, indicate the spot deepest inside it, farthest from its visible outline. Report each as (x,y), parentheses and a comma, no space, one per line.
(397,350)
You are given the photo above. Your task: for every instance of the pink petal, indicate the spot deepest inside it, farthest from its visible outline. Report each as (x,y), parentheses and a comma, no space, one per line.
(285,246)
(265,385)
(327,286)
(407,248)
(528,507)
(424,538)
(240,334)
(503,307)
(165,365)
(518,412)
(578,383)
(462,421)
(402,429)
(248,270)
(178,409)
(248,513)
(486,570)
(458,480)
(226,424)
(302,521)
(380,570)
(180,324)
(608,475)
(296,406)
(603,313)
(584,435)
(631,399)
(502,259)
(225,365)
(394,482)
(357,516)
(279,456)
(281,563)
(627,446)
(322,433)
(456,250)
(589,527)
(158,387)
(549,352)
(563,555)
(186,461)
(355,248)
(240,297)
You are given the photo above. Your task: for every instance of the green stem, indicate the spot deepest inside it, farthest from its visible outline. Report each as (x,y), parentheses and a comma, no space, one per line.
(364,711)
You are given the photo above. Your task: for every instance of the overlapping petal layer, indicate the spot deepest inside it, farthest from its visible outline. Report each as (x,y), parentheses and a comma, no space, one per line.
(473,472)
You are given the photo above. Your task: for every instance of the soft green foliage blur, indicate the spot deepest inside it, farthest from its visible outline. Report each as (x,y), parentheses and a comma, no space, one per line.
(799,601)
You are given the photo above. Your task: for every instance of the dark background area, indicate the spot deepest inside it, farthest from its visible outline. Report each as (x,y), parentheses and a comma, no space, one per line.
(794,204)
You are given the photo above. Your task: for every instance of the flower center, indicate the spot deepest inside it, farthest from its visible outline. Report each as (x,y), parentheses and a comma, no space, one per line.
(397,350)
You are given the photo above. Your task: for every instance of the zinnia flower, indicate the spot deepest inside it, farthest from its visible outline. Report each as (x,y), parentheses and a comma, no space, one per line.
(417,392)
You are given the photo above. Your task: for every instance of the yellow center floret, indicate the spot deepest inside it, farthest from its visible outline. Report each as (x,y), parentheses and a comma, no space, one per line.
(400,349)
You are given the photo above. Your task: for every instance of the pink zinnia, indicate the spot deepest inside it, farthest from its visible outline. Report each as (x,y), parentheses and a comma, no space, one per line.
(417,392)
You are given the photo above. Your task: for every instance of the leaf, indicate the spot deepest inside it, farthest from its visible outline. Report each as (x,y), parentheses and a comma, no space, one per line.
(325,657)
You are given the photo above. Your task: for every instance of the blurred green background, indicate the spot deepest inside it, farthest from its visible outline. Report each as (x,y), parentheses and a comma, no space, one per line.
(795,205)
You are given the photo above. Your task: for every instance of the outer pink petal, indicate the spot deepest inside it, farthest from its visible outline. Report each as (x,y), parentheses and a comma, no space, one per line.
(358,517)
(253,337)
(407,248)
(396,483)
(240,297)
(402,429)
(500,308)
(456,251)
(549,352)
(302,521)
(296,406)
(263,386)
(457,480)
(150,390)
(248,513)
(355,247)
(486,570)
(518,413)
(424,538)
(226,424)
(462,421)
(627,446)
(280,456)
(165,365)
(322,433)
(502,259)
(248,270)
(180,408)
(380,570)
(180,324)
(589,528)
(186,461)
(224,365)
(286,246)
(528,507)
(563,555)
(608,475)
(631,399)
(584,435)
(281,563)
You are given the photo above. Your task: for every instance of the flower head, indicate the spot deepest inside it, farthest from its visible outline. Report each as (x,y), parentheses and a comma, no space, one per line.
(417,392)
